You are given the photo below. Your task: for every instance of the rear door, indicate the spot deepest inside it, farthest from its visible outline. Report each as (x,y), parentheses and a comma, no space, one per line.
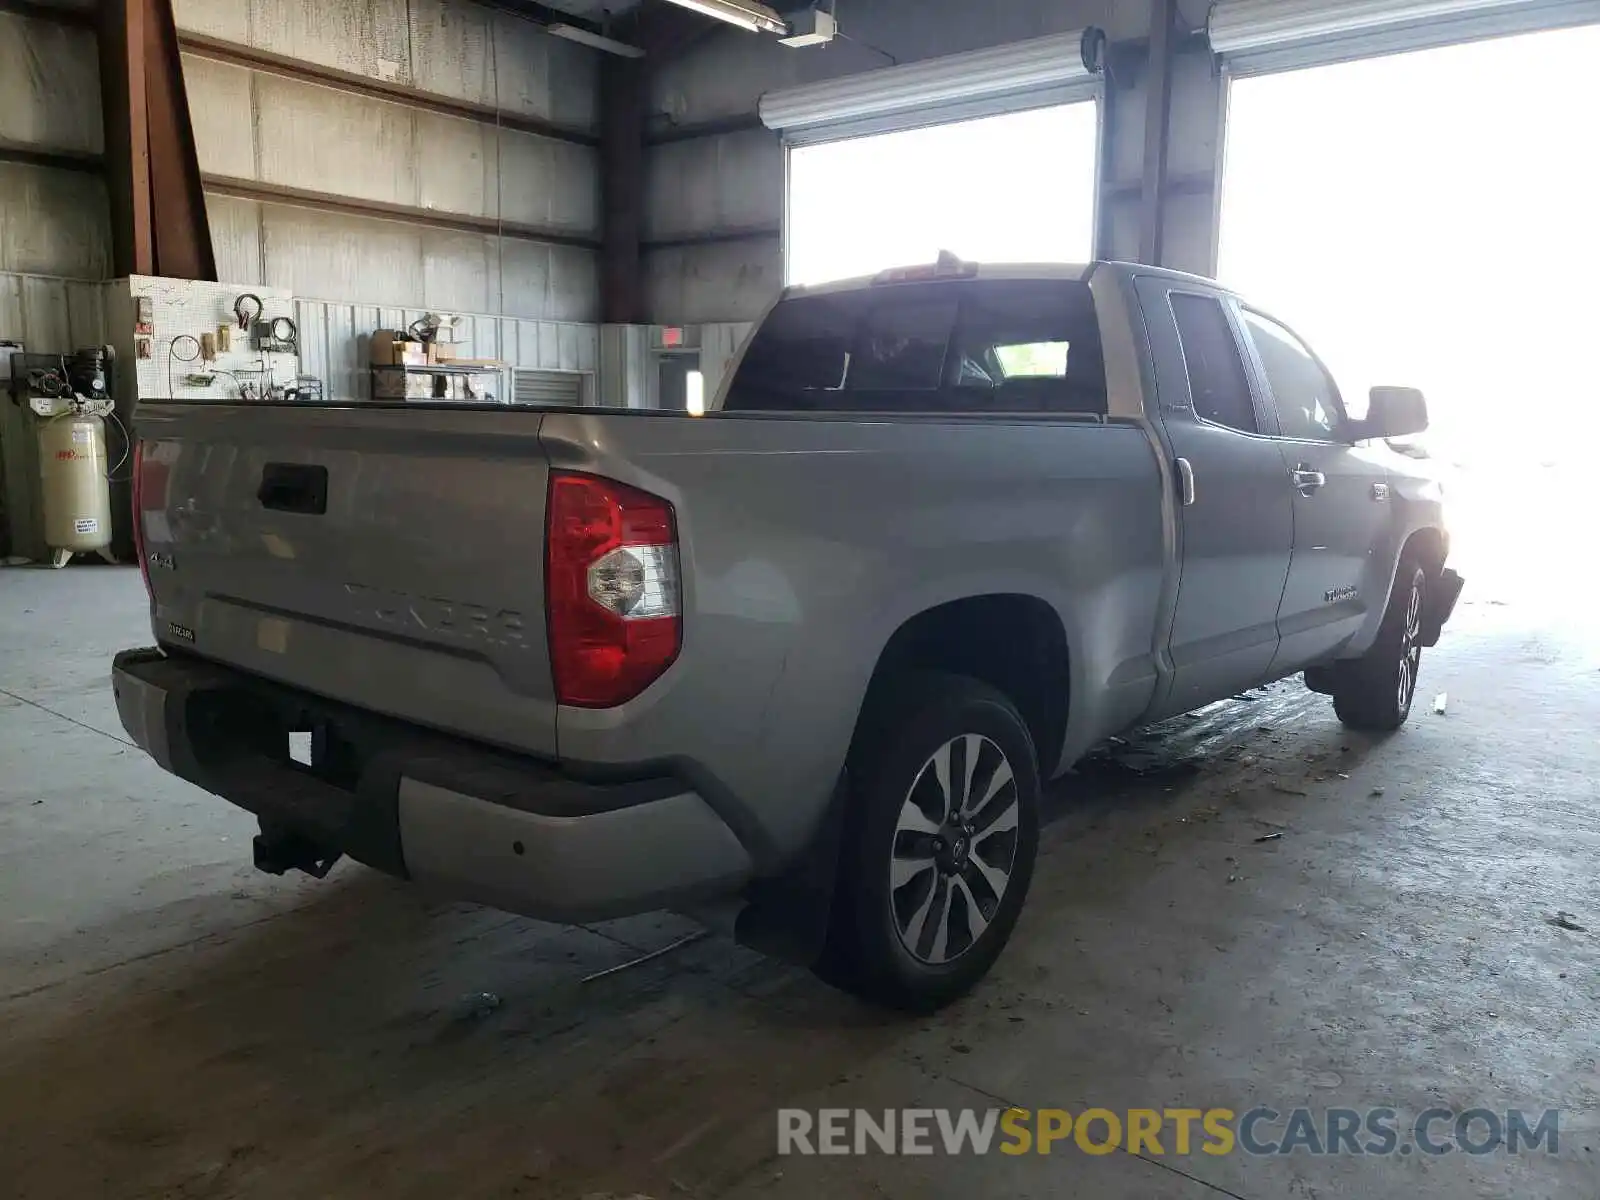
(388,557)
(1236,525)
(1340,495)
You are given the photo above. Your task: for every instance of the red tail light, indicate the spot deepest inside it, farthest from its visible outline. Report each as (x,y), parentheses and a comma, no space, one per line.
(138,518)
(611,589)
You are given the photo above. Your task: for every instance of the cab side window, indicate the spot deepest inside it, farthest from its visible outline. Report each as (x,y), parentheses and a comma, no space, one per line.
(1306,398)
(1217,381)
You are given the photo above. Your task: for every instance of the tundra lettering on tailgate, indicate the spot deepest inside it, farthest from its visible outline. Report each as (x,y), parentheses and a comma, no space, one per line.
(457,618)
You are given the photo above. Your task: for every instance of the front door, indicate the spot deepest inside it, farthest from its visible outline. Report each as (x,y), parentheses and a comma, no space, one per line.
(1236,522)
(1340,495)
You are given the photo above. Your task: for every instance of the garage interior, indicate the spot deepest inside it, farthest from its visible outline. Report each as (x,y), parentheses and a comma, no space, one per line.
(591,202)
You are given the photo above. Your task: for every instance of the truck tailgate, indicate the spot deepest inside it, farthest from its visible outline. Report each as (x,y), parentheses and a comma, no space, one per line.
(391,558)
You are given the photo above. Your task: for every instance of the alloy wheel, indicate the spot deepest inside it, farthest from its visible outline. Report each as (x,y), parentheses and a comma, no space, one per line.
(954,849)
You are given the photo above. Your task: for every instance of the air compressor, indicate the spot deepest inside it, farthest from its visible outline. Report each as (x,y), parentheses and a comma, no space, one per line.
(70,401)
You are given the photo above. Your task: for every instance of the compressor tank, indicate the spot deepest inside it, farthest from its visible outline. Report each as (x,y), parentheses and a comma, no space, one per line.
(76,492)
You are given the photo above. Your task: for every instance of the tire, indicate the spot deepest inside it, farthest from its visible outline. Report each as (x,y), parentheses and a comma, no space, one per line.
(1376,691)
(929,890)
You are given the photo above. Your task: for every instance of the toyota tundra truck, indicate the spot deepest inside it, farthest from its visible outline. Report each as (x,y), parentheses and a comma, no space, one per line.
(802,664)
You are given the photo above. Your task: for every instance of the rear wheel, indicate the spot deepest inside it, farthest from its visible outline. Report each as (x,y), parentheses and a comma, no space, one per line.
(1376,691)
(941,843)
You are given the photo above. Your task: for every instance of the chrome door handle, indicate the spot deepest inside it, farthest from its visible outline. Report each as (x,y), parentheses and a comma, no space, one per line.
(1186,482)
(1306,480)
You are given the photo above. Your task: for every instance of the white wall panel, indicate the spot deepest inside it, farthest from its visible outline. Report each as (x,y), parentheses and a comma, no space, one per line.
(734,181)
(368,38)
(544,182)
(229,22)
(695,285)
(49,315)
(457,169)
(222,112)
(330,141)
(450,50)
(235,237)
(49,85)
(324,254)
(460,271)
(53,222)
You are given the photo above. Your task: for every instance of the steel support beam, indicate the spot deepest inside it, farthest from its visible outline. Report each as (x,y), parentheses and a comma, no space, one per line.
(159,223)
(623,98)
(1157,130)
(663,32)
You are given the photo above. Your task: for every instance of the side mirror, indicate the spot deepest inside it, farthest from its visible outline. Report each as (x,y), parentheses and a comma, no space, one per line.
(1393,412)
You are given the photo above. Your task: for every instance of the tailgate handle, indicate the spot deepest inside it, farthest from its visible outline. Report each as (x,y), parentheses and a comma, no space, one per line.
(294,487)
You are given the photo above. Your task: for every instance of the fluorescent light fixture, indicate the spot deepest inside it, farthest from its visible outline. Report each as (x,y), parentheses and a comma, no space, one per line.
(747,14)
(694,392)
(574,33)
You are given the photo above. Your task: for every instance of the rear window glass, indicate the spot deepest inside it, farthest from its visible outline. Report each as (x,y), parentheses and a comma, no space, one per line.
(980,346)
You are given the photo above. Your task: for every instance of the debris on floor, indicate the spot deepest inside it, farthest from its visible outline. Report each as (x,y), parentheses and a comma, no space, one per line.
(699,935)
(475,1006)
(1441,702)
(1269,837)
(1565,920)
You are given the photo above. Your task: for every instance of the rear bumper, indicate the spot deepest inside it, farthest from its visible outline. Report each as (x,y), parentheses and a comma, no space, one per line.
(463,819)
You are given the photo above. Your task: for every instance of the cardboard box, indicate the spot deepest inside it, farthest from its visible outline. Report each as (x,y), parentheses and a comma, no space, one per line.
(443,352)
(390,348)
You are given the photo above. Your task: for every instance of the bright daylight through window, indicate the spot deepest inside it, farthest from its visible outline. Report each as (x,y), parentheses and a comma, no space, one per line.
(1013,188)
(1420,219)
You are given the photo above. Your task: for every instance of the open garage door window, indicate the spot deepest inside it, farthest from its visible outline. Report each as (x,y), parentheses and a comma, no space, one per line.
(1255,36)
(1419,227)
(990,155)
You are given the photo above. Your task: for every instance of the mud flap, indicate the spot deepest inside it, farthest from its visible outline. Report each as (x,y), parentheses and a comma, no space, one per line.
(1441,603)
(787,917)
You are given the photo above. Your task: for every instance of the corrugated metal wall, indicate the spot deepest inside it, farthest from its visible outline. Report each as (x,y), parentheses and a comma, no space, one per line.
(52,222)
(50,315)
(334,335)
(261,128)
(264,129)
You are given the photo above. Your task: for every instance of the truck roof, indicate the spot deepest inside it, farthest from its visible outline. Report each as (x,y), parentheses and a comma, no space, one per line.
(969,270)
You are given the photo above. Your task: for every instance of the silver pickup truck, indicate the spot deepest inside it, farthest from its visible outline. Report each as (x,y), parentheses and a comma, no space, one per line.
(802,664)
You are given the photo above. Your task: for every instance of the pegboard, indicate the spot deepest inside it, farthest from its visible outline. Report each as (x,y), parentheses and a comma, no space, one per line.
(179,307)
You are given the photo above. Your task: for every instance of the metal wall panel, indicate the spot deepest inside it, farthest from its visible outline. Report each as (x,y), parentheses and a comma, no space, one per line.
(458,169)
(732,181)
(325,254)
(334,339)
(228,22)
(235,237)
(369,37)
(262,127)
(50,315)
(222,112)
(49,85)
(53,222)
(447,47)
(328,141)
(545,182)
(696,285)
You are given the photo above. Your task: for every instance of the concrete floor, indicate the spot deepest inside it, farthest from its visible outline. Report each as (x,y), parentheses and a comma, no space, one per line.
(173,1024)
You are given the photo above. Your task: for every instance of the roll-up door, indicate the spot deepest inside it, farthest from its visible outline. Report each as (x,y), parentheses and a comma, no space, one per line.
(1033,74)
(1274,35)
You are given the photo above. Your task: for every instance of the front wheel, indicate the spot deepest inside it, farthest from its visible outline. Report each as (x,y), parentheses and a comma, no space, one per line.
(1376,691)
(941,843)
